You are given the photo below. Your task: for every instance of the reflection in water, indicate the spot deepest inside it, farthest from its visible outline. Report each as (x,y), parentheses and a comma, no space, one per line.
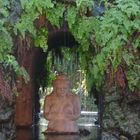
(24,134)
(35,132)
(28,134)
(62,137)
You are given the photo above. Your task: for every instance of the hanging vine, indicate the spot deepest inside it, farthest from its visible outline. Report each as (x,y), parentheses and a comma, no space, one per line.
(104,41)
(7,58)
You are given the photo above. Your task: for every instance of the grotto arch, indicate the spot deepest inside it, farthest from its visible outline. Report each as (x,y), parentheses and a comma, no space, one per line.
(33,59)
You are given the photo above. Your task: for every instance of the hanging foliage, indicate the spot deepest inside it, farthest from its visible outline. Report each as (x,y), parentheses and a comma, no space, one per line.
(105,42)
(7,58)
(116,42)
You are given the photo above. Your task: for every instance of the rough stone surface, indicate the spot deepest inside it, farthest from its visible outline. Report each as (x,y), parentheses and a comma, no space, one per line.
(122,115)
(108,136)
(7,126)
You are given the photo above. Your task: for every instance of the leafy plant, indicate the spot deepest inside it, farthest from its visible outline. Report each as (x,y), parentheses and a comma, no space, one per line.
(41,39)
(7,59)
(109,40)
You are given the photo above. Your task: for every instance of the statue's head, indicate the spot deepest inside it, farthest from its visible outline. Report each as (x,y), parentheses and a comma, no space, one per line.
(61,85)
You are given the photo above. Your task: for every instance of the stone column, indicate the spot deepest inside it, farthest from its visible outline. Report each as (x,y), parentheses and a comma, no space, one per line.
(24,100)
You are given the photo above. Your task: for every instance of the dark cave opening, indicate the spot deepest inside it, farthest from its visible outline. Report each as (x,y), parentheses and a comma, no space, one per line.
(56,40)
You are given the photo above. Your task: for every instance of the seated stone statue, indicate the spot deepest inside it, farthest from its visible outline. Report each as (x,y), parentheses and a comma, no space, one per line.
(62,107)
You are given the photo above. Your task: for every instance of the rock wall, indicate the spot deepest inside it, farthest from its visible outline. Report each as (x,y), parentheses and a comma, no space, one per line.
(7,106)
(121,119)
(7,126)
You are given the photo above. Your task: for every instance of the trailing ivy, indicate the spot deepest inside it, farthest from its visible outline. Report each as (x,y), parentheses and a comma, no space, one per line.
(7,58)
(115,37)
(111,40)
(55,14)
(5,42)
(41,39)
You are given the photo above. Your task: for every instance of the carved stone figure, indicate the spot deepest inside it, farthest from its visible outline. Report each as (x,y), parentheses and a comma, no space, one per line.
(62,107)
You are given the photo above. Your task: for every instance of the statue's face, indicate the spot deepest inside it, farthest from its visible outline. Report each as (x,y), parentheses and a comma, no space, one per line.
(62,89)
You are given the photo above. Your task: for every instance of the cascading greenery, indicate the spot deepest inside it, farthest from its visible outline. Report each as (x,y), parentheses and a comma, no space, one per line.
(7,58)
(106,40)
(117,39)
